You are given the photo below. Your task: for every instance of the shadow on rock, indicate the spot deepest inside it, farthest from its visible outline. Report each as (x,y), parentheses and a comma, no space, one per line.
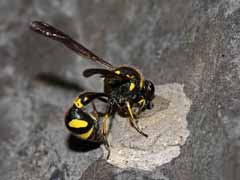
(78,145)
(54,80)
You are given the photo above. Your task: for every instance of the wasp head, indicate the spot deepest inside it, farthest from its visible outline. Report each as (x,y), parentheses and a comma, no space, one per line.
(148,92)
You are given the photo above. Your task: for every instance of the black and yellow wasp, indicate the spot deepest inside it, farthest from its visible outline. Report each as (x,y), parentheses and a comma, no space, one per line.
(126,92)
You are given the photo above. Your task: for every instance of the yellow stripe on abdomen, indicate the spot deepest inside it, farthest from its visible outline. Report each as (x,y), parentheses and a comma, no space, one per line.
(78,123)
(86,135)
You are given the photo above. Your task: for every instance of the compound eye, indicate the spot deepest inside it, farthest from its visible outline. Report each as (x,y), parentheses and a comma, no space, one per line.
(150,90)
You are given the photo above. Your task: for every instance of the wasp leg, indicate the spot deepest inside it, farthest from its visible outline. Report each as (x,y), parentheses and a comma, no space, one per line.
(104,134)
(133,122)
(102,99)
(104,130)
(95,112)
(85,98)
(107,147)
(104,127)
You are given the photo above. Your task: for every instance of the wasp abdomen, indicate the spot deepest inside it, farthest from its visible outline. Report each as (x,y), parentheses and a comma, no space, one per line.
(79,123)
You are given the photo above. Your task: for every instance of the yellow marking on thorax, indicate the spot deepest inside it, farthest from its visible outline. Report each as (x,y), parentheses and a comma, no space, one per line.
(86,135)
(78,103)
(132,86)
(130,76)
(117,72)
(78,123)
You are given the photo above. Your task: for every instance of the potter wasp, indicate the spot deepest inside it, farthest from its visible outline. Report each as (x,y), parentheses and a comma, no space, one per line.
(126,92)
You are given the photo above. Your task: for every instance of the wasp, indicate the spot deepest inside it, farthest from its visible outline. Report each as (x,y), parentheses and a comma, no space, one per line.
(126,92)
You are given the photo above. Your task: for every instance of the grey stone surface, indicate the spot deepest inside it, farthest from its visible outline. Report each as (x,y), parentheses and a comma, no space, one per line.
(195,43)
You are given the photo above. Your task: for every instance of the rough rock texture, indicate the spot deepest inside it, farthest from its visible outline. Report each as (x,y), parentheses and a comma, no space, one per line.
(190,42)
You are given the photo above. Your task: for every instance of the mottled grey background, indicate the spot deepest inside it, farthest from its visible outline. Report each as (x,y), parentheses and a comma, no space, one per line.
(195,43)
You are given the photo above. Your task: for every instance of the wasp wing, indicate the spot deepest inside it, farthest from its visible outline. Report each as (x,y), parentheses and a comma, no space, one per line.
(55,34)
(104,73)
(113,79)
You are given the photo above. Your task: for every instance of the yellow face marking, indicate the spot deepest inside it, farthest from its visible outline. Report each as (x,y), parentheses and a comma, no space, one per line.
(86,135)
(132,86)
(78,103)
(78,123)
(142,102)
(117,72)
